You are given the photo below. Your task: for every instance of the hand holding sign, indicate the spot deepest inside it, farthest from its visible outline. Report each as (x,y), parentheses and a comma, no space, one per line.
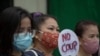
(68,43)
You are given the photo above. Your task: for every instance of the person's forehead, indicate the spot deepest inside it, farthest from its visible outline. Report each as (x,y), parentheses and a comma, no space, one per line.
(50,21)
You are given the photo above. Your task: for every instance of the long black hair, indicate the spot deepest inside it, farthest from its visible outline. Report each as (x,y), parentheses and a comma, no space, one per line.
(10,20)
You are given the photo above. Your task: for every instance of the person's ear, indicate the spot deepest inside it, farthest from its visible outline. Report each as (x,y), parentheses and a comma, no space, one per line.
(38,38)
(80,40)
(38,35)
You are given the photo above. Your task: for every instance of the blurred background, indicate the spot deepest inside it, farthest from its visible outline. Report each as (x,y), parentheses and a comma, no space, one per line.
(67,12)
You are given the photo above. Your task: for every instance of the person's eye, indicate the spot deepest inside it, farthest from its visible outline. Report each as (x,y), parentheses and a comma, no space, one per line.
(29,30)
(51,28)
(20,30)
(58,30)
(92,36)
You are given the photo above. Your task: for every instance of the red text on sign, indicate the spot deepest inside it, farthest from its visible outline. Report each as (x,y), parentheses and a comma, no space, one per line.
(67,47)
(66,37)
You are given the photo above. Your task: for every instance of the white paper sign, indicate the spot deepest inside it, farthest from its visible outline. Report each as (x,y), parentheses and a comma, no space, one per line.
(68,43)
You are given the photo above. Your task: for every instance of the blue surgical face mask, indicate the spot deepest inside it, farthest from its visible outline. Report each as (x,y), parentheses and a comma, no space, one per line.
(22,41)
